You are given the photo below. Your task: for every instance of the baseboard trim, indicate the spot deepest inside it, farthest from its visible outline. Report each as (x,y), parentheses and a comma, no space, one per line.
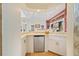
(55,53)
(27,53)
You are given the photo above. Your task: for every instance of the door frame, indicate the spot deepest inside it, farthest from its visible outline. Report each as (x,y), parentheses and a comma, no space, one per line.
(44,42)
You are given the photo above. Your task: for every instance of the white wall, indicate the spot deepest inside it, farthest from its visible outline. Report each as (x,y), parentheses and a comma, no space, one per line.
(76,29)
(70,29)
(11,42)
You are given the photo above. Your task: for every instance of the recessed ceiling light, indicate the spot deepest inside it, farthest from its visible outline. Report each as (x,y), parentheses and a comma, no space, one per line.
(38,10)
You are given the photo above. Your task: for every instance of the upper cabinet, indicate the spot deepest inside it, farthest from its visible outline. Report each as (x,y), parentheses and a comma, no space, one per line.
(58,22)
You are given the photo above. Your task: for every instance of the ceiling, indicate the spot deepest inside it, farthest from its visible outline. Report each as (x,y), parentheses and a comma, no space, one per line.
(42,6)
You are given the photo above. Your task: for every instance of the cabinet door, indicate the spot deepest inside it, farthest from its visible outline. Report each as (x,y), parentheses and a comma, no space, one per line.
(61,46)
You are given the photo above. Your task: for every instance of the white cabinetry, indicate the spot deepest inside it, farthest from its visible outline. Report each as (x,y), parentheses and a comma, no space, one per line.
(57,44)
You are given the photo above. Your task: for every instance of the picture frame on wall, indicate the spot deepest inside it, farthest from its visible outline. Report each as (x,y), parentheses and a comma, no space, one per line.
(37,25)
(42,27)
(32,27)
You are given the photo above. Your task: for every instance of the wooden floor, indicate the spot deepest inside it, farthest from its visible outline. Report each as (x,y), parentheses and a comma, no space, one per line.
(41,54)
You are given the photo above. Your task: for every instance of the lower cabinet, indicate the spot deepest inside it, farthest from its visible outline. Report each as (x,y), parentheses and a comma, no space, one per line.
(57,44)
